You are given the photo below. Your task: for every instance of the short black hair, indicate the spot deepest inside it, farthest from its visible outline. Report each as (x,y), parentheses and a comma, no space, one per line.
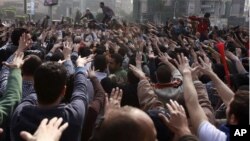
(239,107)
(181,21)
(132,79)
(207,15)
(102,3)
(57,55)
(100,63)
(164,74)
(122,51)
(118,58)
(49,81)
(31,64)
(84,51)
(16,34)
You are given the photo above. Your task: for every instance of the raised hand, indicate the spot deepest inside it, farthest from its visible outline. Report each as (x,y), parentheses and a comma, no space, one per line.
(206,65)
(151,55)
(182,64)
(47,131)
(138,60)
(91,72)
(67,50)
(115,99)
(17,61)
(24,42)
(81,62)
(164,58)
(137,72)
(176,120)
(56,46)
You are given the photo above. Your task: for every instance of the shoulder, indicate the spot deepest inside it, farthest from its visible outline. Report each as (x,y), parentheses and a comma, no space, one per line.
(208,132)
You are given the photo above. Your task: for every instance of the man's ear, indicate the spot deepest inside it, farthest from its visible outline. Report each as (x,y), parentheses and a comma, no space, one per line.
(232,120)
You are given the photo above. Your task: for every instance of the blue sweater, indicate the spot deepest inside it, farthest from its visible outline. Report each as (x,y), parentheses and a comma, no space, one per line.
(28,114)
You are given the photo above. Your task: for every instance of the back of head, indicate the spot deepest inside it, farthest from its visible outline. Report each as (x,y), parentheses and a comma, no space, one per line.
(102,3)
(132,79)
(49,81)
(240,107)
(207,15)
(16,34)
(31,64)
(117,58)
(181,22)
(163,132)
(57,55)
(164,74)
(122,51)
(100,63)
(84,51)
(119,125)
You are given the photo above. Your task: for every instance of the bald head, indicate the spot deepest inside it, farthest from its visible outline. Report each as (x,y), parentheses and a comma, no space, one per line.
(126,124)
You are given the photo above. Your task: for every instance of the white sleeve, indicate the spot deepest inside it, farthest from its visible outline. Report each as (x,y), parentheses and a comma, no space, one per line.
(176,74)
(208,132)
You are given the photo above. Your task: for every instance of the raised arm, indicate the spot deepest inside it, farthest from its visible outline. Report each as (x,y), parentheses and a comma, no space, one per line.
(240,68)
(147,98)
(23,45)
(99,98)
(197,115)
(223,90)
(79,99)
(4,76)
(14,87)
(67,63)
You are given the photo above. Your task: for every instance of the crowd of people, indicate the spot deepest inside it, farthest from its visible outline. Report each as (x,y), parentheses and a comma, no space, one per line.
(126,82)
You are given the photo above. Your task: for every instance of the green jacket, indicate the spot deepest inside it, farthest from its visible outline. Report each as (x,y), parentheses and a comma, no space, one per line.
(12,94)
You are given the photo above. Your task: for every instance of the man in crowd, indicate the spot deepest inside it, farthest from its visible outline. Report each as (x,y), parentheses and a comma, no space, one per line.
(107,12)
(88,15)
(203,25)
(174,69)
(115,68)
(50,86)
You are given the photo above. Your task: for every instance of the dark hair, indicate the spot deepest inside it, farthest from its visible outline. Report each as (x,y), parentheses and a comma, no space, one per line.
(181,22)
(164,74)
(239,107)
(49,81)
(102,3)
(163,132)
(207,15)
(69,89)
(122,51)
(16,34)
(100,63)
(31,64)
(57,55)
(132,79)
(108,84)
(100,50)
(219,71)
(118,58)
(84,51)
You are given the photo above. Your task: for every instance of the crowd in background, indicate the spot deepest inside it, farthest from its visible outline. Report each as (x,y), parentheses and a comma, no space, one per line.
(123,81)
